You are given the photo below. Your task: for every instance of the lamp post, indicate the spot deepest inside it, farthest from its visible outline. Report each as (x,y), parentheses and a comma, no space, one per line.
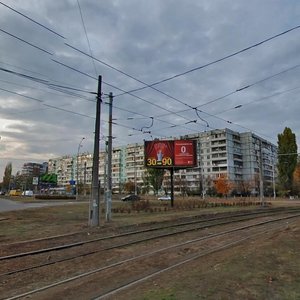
(77,173)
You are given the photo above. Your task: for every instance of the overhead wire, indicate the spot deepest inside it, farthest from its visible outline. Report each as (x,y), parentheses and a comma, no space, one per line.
(86,35)
(128,75)
(225,57)
(32,20)
(197,68)
(151,86)
(26,42)
(146,85)
(119,89)
(47,105)
(36,79)
(197,111)
(257,100)
(58,88)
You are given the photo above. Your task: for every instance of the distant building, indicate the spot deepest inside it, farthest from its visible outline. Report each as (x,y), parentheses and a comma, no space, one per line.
(243,158)
(32,169)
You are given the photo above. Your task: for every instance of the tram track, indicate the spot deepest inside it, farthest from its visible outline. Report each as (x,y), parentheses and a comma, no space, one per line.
(113,242)
(143,231)
(163,252)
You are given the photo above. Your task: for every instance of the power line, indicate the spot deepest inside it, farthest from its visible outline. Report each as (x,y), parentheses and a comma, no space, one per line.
(28,97)
(68,111)
(239,89)
(180,74)
(71,94)
(157,119)
(26,42)
(86,35)
(225,57)
(130,76)
(53,86)
(24,76)
(257,100)
(48,105)
(32,20)
(117,88)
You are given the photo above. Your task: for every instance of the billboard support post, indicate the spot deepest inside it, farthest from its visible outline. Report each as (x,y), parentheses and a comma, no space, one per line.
(172,186)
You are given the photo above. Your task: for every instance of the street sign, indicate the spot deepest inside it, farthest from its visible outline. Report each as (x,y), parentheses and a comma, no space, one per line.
(35,180)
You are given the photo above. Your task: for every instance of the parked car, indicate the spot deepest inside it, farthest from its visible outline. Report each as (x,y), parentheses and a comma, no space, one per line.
(164,198)
(2,193)
(131,198)
(15,193)
(27,193)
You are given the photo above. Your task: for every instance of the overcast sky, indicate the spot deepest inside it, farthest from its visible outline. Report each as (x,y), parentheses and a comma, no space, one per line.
(205,56)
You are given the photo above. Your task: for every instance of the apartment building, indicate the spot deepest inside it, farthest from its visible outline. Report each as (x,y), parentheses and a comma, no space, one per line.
(241,157)
(34,169)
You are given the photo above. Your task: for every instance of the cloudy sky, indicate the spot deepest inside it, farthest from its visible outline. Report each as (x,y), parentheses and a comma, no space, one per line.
(188,66)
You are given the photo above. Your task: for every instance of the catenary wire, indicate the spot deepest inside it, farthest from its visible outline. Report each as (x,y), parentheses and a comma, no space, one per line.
(32,20)
(251,47)
(86,35)
(225,57)
(26,42)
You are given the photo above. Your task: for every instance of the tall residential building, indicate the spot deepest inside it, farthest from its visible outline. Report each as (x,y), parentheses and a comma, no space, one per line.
(244,158)
(239,156)
(34,169)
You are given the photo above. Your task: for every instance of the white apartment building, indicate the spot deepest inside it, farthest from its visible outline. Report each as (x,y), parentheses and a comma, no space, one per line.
(242,157)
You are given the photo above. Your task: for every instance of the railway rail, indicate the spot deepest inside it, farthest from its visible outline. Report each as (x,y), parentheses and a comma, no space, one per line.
(149,255)
(230,218)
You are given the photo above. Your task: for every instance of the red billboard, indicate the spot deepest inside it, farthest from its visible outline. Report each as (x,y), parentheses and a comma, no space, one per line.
(166,154)
(159,153)
(184,153)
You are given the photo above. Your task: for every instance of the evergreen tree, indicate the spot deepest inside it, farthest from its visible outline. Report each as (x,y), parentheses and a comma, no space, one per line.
(287,160)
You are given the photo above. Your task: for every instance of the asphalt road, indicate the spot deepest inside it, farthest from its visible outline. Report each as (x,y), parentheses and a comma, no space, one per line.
(9,205)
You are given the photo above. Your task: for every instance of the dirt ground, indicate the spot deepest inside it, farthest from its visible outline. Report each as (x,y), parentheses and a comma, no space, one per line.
(265,268)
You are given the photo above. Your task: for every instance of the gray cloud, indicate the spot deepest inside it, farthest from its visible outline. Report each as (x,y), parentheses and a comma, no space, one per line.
(150,40)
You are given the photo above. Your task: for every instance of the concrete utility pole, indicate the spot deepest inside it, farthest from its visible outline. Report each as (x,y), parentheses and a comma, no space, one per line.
(135,175)
(109,162)
(94,200)
(261,175)
(77,169)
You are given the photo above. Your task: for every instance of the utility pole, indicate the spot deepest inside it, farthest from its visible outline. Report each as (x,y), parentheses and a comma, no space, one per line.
(84,179)
(77,169)
(261,177)
(94,200)
(135,175)
(109,162)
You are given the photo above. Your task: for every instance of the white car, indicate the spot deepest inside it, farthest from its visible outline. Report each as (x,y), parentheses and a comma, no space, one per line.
(165,198)
(27,193)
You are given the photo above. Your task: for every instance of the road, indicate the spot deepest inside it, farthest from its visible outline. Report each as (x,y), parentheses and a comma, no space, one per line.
(9,205)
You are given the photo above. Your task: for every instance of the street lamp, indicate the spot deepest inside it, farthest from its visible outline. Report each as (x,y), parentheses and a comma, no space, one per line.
(77,173)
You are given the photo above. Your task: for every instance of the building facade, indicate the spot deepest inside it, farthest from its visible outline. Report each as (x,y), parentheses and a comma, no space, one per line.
(245,159)
(31,169)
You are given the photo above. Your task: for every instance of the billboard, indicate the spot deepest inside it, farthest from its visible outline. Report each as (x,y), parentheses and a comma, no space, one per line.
(185,153)
(168,154)
(159,153)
